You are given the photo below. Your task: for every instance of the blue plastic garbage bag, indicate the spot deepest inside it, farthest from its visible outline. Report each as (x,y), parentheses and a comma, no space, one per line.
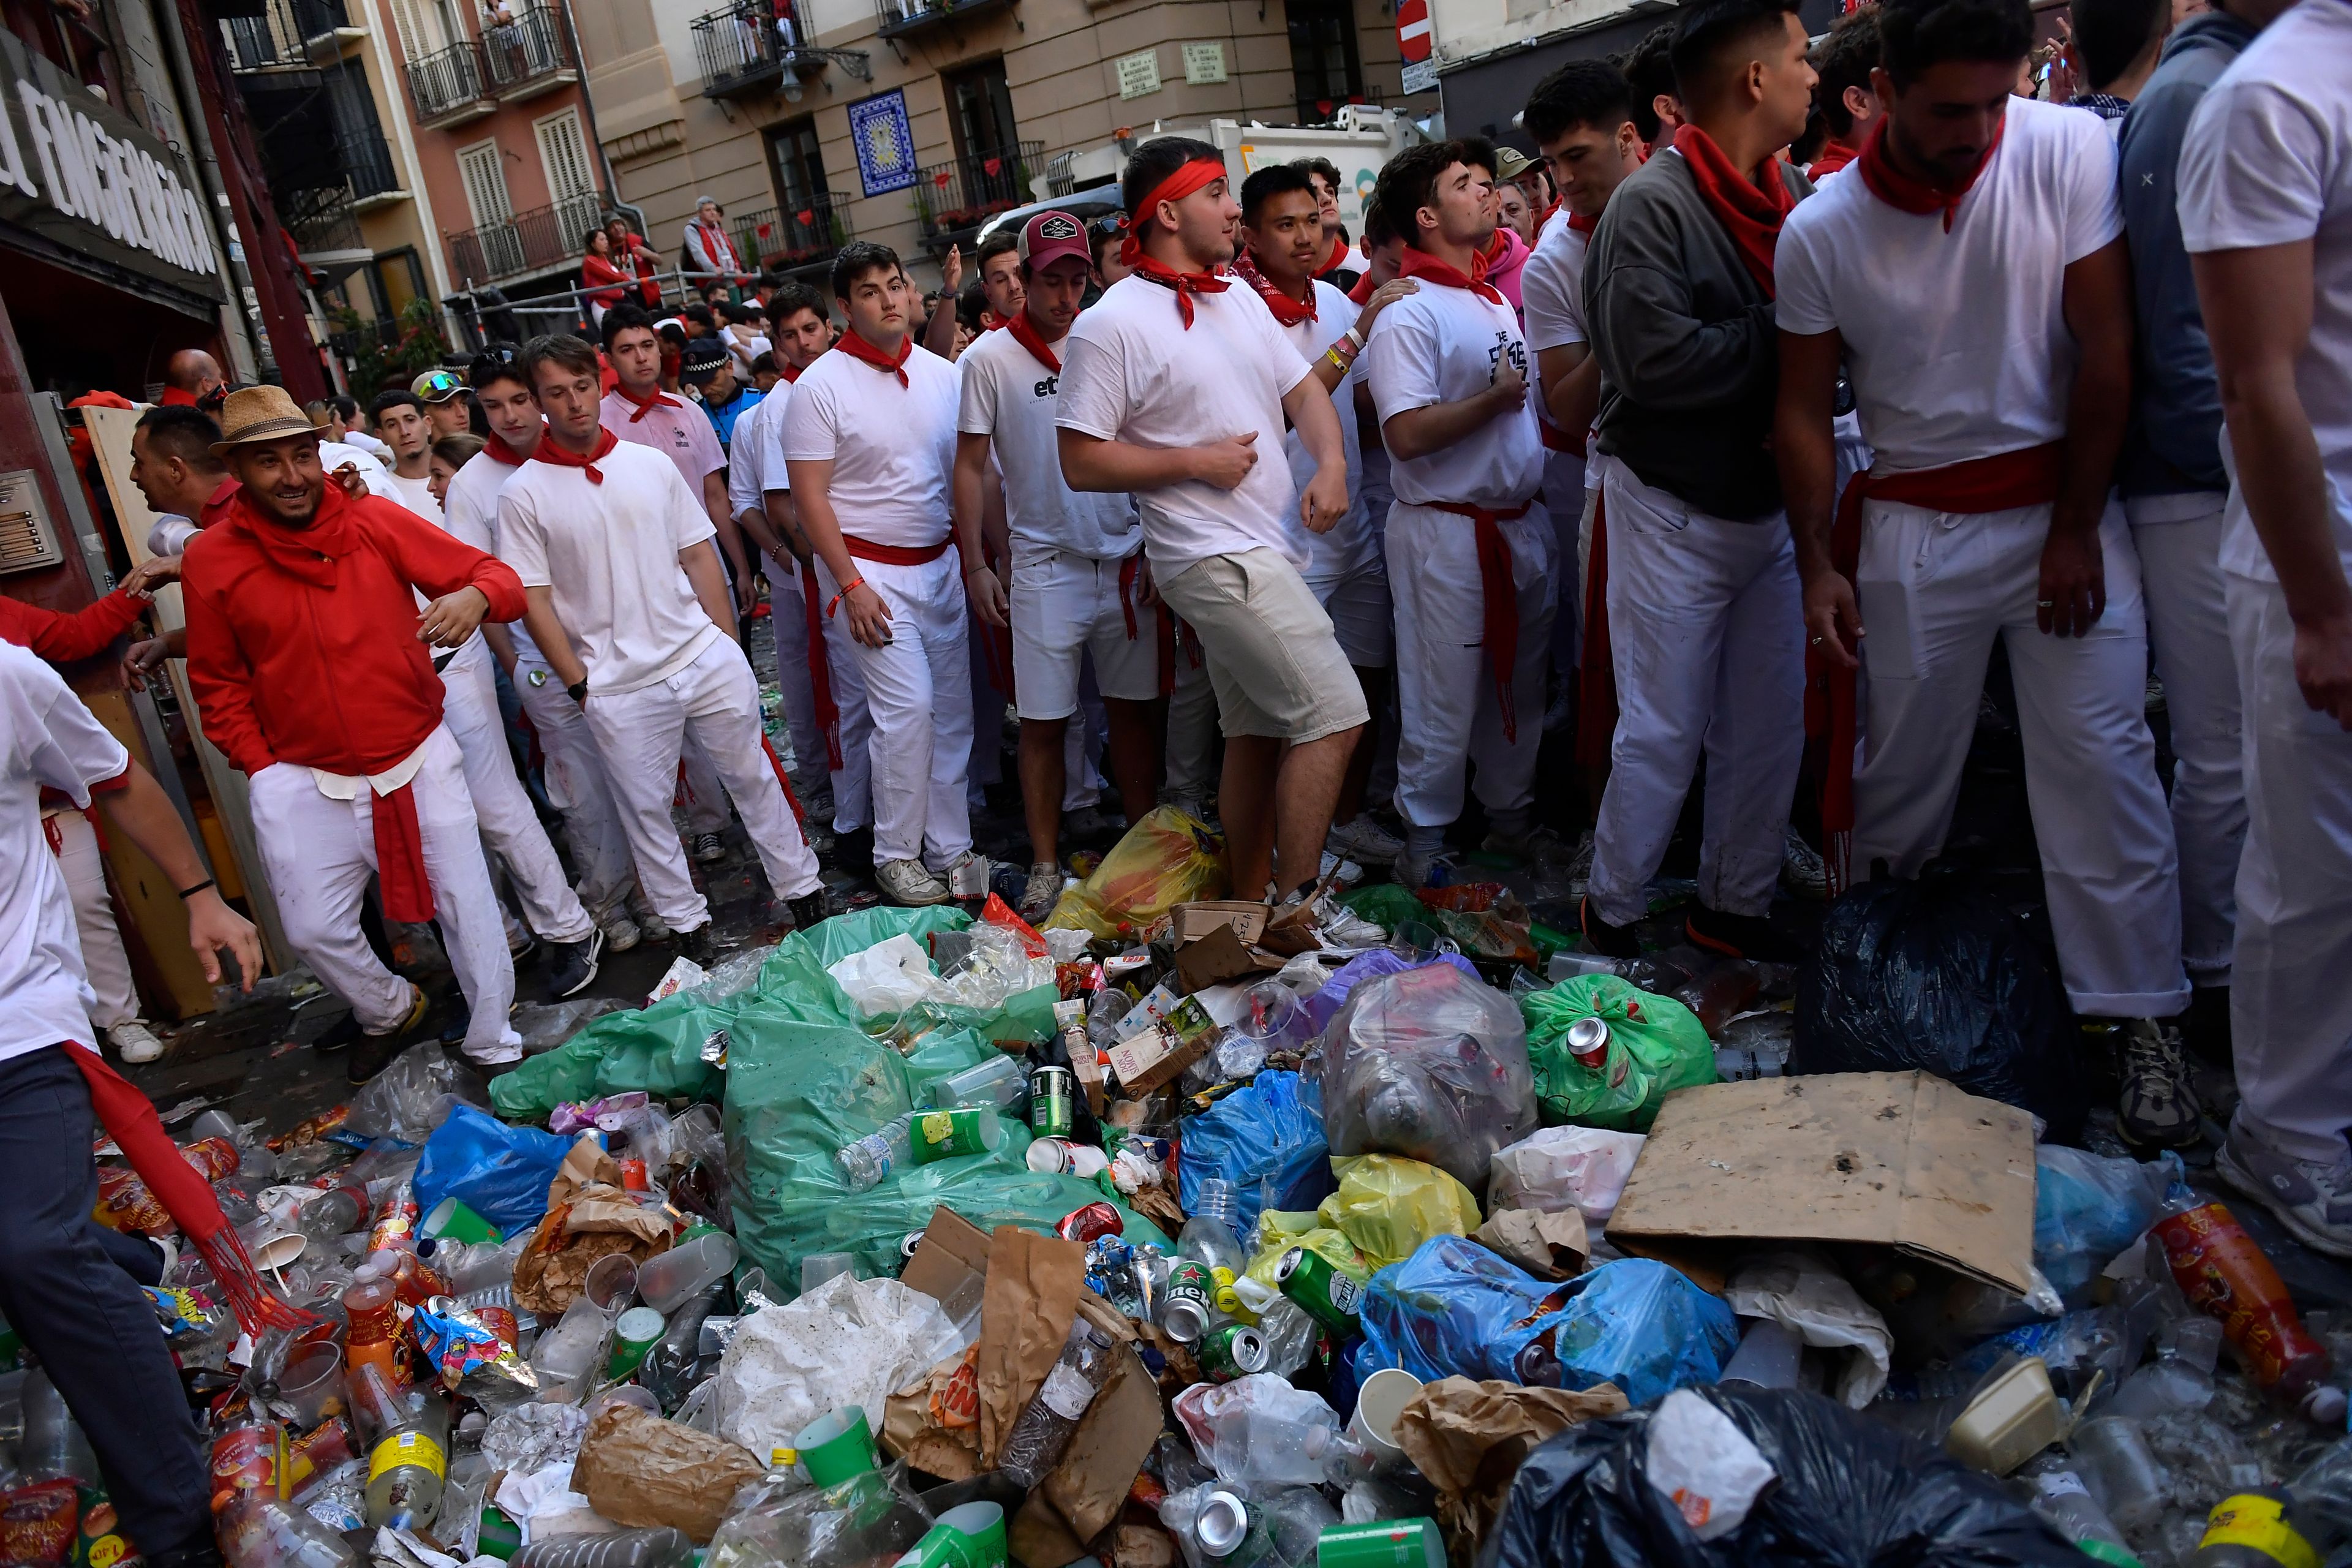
(1273,1128)
(2087,1208)
(1455,1309)
(499,1171)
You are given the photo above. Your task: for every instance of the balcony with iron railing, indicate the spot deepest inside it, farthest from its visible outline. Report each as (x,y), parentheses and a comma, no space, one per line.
(449,86)
(539,240)
(894,17)
(956,196)
(529,55)
(287,35)
(752,47)
(801,236)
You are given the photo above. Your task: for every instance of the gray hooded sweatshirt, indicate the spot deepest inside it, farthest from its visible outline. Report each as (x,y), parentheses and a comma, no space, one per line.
(2174,443)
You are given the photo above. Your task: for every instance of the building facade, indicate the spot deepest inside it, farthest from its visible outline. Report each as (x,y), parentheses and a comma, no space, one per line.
(909,121)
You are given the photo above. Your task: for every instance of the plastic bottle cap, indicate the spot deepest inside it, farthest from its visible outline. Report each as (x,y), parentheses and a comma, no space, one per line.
(697,1229)
(783,1459)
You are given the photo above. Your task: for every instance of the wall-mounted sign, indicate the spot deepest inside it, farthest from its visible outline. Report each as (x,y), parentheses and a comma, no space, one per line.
(1204,64)
(79,174)
(884,141)
(1138,73)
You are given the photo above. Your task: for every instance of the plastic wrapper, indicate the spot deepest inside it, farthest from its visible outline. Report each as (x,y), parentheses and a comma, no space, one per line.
(1455,1309)
(1848,1491)
(1321,1005)
(459,1346)
(641,1471)
(1388,1205)
(2086,1209)
(871,1518)
(532,1436)
(1267,1137)
(412,1096)
(544,1025)
(1165,860)
(887,978)
(1431,1064)
(1804,1294)
(1557,1168)
(849,1341)
(1656,1046)
(498,1171)
(1939,976)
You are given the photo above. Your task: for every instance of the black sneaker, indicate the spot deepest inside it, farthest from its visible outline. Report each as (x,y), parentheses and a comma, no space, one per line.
(1750,937)
(2158,1108)
(337,1035)
(370,1054)
(697,945)
(708,847)
(575,965)
(1611,942)
(807,910)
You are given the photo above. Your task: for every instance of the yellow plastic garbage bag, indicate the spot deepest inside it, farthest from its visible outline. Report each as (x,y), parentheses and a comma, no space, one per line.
(1166,859)
(1279,1231)
(1388,1205)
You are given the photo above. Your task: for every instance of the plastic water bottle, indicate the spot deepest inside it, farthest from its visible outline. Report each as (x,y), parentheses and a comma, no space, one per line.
(866,1162)
(2060,1497)
(1042,1429)
(668,1371)
(659,1547)
(408,1450)
(700,1260)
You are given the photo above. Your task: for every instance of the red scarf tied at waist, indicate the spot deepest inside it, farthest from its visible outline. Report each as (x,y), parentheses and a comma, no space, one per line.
(1749,212)
(2031,476)
(1917,197)
(1192,176)
(641,406)
(1499,625)
(1286,310)
(865,352)
(129,1118)
(1025,333)
(1420,264)
(549,452)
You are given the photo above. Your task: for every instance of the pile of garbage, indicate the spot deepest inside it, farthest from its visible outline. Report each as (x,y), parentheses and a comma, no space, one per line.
(1379,1228)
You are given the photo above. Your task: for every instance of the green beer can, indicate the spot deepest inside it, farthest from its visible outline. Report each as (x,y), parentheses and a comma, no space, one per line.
(1234,1351)
(1190,1287)
(1380,1543)
(1321,1290)
(1050,1095)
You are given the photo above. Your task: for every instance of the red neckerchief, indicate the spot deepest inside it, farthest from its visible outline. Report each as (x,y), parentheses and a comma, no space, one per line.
(1024,332)
(1420,264)
(1362,292)
(1190,178)
(501,452)
(858,349)
(308,555)
(1749,213)
(1333,262)
(641,406)
(549,452)
(791,374)
(1583,225)
(1185,284)
(1836,156)
(1917,197)
(1286,310)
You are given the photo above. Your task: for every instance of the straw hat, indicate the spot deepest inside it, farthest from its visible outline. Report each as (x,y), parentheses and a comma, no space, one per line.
(254,413)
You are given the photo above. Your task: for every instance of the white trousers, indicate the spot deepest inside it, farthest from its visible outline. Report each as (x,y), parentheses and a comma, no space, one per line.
(788,619)
(2290,1009)
(318,853)
(917,706)
(576,787)
(1935,589)
(1707,627)
(1563,490)
(852,803)
(1446,683)
(698,787)
(103,958)
(716,701)
(469,709)
(2178,539)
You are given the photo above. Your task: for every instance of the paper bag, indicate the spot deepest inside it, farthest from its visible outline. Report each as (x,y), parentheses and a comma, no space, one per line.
(1548,1245)
(933,1424)
(641,1471)
(1468,1439)
(1084,1494)
(598,1219)
(1034,1286)
(586,1165)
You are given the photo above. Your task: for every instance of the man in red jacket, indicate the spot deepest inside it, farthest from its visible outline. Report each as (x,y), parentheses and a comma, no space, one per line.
(307,654)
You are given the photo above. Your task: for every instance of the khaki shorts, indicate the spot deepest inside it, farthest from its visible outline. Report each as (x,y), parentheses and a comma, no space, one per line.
(1272,653)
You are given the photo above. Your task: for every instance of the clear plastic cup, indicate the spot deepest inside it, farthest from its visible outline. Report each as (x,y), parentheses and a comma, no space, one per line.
(312,1385)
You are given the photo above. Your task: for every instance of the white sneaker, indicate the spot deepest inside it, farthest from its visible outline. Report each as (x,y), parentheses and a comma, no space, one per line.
(1192,802)
(2312,1200)
(1802,870)
(1343,929)
(499,1057)
(134,1042)
(621,933)
(1417,871)
(1364,841)
(1347,872)
(651,926)
(905,882)
(1044,889)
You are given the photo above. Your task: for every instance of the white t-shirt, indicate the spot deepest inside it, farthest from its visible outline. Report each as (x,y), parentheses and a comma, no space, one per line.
(417,495)
(757,436)
(471,513)
(608,554)
(1134,373)
(2268,160)
(1957,344)
(746,349)
(1441,345)
(1010,398)
(46,737)
(1350,543)
(892,447)
(333,455)
(1551,286)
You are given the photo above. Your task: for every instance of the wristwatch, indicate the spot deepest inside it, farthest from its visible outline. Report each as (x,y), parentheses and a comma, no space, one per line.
(577,691)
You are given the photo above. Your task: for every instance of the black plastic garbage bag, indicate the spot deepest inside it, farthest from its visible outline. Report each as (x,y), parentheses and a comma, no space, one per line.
(1851,1492)
(1936,975)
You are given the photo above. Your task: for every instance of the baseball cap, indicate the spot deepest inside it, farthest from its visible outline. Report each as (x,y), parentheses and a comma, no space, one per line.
(1510,164)
(702,359)
(1050,235)
(436,387)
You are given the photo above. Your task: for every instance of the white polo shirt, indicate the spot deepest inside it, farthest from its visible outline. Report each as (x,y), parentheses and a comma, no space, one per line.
(2268,160)
(1010,398)
(1957,344)
(608,554)
(1442,345)
(471,513)
(684,433)
(892,447)
(1134,373)
(47,738)
(1351,542)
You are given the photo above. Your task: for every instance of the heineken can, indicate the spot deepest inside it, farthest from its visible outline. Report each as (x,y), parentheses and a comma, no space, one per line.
(907,1244)
(1327,1295)
(1380,1543)
(1232,1351)
(1050,1094)
(1190,1288)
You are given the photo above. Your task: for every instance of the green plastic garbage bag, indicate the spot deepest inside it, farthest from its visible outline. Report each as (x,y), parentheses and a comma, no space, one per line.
(795,974)
(1655,1045)
(658,1050)
(1386,904)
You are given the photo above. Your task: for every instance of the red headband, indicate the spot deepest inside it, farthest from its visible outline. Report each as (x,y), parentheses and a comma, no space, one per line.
(1187,179)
